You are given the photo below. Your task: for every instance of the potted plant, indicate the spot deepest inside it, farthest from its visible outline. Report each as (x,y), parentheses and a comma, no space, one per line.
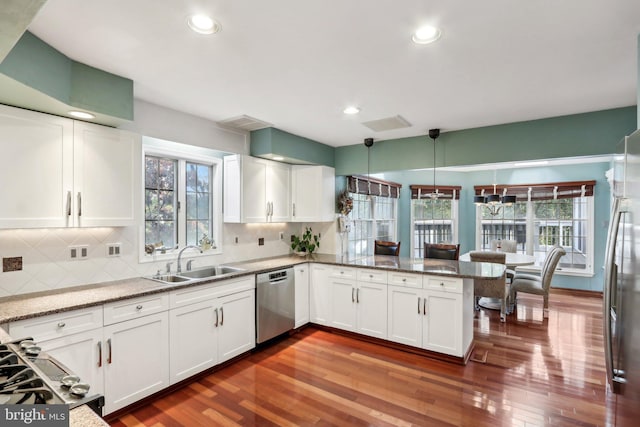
(306,244)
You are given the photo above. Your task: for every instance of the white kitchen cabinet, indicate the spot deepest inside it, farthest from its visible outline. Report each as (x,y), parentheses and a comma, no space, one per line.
(256,190)
(320,295)
(359,306)
(210,324)
(36,169)
(302,275)
(66,173)
(136,354)
(106,177)
(313,193)
(438,318)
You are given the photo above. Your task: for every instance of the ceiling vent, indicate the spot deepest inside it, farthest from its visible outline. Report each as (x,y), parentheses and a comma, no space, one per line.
(389,123)
(245,123)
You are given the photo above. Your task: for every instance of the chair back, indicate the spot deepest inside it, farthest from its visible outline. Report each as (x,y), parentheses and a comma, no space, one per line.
(386,248)
(488,256)
(549,266)
(510,246)
(442,251)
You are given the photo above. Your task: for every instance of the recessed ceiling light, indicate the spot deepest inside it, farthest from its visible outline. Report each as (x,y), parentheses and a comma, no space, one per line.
(351,110)
(427,34)
(203,24)
(81,115)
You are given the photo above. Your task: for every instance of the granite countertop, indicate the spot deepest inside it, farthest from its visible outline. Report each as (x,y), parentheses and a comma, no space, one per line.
(49,302)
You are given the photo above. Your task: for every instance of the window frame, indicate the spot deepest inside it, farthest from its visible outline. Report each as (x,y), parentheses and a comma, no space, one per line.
(184,153)
(455,216)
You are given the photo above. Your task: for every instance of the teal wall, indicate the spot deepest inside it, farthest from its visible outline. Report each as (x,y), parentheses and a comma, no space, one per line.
(34,63)
(271,141)
(638,86)
(566,136)
(589,171)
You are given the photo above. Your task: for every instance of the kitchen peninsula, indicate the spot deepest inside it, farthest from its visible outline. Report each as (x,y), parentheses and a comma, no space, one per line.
(426,305)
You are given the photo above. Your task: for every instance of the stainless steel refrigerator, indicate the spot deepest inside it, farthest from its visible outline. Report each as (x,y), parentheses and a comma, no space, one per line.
(622,289)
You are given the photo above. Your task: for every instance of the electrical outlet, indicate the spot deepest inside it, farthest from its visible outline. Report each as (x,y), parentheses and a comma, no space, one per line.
(261,241)
(113,249)
(78,252)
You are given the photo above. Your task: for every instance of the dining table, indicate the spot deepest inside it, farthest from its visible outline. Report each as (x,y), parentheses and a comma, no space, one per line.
(512,260)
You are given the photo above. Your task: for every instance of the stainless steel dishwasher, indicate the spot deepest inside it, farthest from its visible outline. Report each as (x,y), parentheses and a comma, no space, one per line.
(275,303)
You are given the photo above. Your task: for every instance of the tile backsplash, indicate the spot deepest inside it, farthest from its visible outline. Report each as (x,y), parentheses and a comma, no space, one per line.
(46,262)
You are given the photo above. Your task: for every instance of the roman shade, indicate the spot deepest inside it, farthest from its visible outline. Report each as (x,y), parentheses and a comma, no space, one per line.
(548,191)
(425,191)
(373,186)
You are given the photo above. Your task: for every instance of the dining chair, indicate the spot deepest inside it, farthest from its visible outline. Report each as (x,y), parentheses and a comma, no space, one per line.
(442,251)
(491,288)
(386,248)
(537,285)
(505,245)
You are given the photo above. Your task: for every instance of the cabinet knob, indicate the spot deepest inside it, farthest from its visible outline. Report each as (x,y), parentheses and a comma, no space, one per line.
(404,279)
(441,283)
(61,325)
(371,276)
(139,307)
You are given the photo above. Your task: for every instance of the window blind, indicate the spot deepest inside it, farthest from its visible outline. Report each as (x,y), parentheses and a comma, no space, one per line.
(373,186)
(548,191)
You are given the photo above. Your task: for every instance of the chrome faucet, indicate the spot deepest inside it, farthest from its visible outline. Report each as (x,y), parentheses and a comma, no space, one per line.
(180,255)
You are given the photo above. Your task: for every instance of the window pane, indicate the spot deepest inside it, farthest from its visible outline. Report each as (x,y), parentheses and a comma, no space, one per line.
(432,223)
(198,200)
(160,201)
(504,223)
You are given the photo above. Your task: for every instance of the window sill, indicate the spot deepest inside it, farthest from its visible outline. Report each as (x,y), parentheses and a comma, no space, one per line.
(574,273)
(173,255)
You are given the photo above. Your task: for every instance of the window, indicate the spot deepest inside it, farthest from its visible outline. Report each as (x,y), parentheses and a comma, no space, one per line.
(544,216)
(182,197)
(433,220)
(374,214)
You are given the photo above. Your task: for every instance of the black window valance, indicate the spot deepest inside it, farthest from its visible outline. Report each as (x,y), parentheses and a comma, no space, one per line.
(548,191)
(376,187)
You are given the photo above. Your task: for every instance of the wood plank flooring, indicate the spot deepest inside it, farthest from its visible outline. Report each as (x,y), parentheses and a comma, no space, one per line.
(528,371)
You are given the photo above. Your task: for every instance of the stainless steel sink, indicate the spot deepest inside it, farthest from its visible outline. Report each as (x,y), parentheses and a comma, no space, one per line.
(208,272)
(169,278)
(195,275)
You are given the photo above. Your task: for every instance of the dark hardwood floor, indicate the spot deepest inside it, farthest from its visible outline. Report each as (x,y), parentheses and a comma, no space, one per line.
(528,371)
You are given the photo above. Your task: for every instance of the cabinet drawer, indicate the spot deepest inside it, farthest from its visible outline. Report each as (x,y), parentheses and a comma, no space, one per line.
(134,308)
(343,273)
(444,284)
(57,325)
(194,294)
(372,276)
(407,280)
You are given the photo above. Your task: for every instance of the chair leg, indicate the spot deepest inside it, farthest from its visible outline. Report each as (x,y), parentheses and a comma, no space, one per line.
(545,312)
(476,301)
(503,310)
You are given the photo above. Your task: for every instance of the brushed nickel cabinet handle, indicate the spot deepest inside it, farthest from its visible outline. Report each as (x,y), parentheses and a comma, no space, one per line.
(109,358)
(358,296)
(419,304)
(99,354)
(216,324)
(352,298)
(68,203)
(294,209)
(424,306)
(79,203)
(221,316)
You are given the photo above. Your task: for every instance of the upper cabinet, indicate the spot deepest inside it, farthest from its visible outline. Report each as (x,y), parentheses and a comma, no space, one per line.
(256,190)
(58,172)
(313,192)
(259,190)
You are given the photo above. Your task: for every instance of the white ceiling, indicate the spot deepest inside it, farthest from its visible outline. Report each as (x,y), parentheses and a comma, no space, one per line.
(298,63)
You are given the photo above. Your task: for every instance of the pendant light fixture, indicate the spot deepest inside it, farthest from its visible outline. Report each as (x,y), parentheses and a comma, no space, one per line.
(368,142)
(494,202)
(434,134)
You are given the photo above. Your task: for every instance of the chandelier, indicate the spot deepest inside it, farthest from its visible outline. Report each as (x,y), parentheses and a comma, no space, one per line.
(494,202)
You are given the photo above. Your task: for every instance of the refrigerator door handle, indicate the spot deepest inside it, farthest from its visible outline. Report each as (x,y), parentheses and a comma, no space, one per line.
(608,283)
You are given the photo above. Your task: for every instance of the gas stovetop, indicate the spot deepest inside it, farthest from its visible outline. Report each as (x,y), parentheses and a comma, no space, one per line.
(29,376)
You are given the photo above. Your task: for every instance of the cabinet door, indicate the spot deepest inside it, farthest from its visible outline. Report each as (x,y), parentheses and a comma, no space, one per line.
(442,328)
(106,176)
(302,294)
(136,359)
(193,338)
(83,354)
(404,315)
(279,191)
(254,198)
(36,169)
(371,300)
(313,193)
(343,304)
(237,326)
(320,295)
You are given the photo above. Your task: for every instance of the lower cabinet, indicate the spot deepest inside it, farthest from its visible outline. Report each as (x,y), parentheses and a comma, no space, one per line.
(302,275)
(431,319)
(237,330)
(136,359)
(320,295)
